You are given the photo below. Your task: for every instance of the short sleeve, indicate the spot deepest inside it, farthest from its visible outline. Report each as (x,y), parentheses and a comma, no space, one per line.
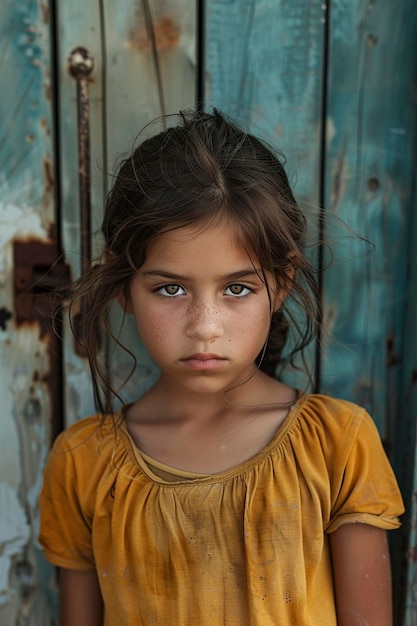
(366,490)
(65,533)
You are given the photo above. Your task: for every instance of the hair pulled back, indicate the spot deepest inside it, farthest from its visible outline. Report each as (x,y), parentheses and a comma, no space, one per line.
(203,170)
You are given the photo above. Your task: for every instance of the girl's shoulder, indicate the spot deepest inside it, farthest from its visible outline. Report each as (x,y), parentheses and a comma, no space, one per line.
(328,412)
(89,436)
(87,452)
(331,423)
(80,432)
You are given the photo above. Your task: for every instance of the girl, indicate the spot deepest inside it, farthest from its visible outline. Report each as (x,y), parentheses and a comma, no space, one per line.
(222,496)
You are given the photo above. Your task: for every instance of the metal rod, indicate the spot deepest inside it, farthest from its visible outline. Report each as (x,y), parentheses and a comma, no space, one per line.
(81,65)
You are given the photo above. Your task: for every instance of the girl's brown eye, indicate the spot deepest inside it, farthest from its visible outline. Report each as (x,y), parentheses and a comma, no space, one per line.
(238,290)
(171,290)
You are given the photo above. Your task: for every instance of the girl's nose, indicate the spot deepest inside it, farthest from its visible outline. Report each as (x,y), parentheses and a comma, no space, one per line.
(204,321)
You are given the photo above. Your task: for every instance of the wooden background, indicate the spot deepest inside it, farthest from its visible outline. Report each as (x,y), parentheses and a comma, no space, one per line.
(333,85)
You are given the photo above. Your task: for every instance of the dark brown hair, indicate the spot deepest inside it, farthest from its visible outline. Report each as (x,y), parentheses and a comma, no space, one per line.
(203,169)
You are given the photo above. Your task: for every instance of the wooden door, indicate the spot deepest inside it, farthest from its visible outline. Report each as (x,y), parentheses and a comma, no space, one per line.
(331,84)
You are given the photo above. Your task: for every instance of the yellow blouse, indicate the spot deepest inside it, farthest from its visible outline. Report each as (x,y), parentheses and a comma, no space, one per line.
(247,546)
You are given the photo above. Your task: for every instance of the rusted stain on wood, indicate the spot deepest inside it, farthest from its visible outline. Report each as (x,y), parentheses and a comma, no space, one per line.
(166,30)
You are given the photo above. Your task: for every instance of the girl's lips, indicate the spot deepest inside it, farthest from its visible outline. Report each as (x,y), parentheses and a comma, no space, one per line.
(203,361)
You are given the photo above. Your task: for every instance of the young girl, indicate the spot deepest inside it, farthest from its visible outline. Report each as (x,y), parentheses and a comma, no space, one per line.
(222,496)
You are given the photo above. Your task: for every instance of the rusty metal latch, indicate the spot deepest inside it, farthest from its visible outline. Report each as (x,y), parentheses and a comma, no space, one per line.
(39,272)
(81,65)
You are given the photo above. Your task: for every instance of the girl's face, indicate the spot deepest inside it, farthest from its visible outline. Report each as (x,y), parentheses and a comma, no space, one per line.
(202,308)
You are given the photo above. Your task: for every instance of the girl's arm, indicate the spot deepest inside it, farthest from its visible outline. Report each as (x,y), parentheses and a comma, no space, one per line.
(80,601)
(362,576)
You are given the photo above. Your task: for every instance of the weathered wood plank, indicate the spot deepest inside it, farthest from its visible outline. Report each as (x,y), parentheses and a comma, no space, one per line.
(78,24)
(265,65)
(369,156)
(26,212)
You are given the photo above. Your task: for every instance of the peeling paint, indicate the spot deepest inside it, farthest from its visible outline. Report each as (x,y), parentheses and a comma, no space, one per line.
(16,222)
(26,214)
(5,316)
(14,534)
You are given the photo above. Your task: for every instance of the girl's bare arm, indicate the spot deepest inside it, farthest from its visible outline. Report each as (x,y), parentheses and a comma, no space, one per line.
(80,599)
(362,576)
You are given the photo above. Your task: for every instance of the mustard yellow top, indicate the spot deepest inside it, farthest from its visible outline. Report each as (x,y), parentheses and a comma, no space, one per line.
(247,546)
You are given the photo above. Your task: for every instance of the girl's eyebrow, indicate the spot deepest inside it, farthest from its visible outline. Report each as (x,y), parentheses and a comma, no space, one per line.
(161,273)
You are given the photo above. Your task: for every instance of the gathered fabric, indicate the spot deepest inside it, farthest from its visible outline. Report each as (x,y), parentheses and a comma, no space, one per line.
(246,546)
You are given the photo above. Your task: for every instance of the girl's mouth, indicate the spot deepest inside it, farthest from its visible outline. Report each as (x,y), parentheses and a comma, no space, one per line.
(203,361)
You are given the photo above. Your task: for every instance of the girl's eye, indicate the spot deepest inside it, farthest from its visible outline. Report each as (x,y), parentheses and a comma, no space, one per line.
(170,291)
(238,290)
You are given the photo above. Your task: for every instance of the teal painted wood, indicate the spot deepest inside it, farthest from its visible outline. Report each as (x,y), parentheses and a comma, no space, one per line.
(264,62)
(25,107)
(369,183)
(26,212)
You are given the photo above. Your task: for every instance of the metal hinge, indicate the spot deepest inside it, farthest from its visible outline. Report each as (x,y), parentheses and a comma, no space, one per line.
(40,275)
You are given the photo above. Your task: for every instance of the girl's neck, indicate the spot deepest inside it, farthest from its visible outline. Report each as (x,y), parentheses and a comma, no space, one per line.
(208,434)
(167,403)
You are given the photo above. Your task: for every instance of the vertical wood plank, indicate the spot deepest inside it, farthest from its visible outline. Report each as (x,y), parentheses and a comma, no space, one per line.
(369,182)
(139,87)
(264,63)
(77,24)
(26,213)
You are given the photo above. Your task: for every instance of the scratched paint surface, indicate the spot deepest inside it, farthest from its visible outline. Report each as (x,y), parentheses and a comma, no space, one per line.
(26,211)
(369,185)
(265,68)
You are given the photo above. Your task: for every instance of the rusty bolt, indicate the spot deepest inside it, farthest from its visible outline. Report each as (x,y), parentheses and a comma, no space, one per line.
(81,63)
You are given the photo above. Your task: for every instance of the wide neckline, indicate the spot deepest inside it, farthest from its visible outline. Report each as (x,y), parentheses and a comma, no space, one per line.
(138,457)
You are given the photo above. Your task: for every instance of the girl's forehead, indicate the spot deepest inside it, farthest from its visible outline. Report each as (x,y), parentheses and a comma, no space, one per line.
(222,228)
(221,237)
